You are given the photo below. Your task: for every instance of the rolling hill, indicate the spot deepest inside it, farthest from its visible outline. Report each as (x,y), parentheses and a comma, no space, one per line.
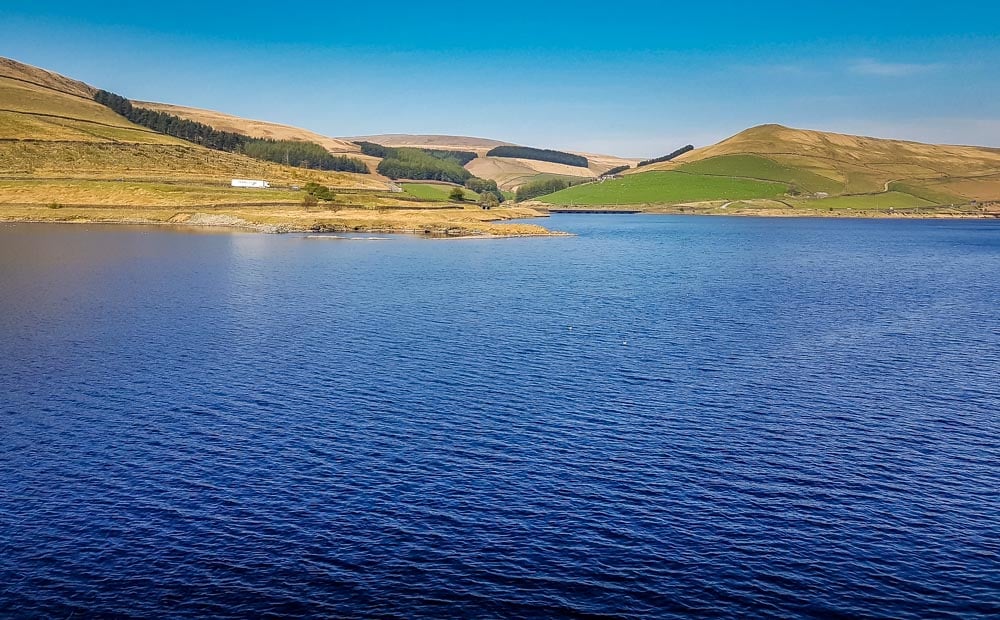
(816,170)
(845,164)
(446,143)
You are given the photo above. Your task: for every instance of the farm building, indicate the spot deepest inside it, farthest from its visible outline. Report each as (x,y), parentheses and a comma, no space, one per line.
(250,183)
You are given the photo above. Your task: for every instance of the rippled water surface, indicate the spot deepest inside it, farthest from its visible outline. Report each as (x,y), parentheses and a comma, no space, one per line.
(661,416)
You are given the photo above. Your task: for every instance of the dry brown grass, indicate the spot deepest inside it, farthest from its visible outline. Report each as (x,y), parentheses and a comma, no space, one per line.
(511,173)
(987,188)
(47,79)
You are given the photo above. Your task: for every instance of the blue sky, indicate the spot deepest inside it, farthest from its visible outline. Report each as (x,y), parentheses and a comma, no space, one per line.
(631,78)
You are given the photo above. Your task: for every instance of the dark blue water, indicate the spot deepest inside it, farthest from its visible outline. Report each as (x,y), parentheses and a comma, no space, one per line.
(662,416)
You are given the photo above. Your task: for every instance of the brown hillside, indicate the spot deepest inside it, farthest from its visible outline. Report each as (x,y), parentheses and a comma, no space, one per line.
(15,70)
(51,128)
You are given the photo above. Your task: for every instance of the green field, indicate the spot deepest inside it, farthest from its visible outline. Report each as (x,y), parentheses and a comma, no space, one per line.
(866,202)
(432,191)
(757,167)
(665,188)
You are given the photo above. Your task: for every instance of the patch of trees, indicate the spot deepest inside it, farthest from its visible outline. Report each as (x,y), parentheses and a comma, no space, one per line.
(675,154)
(526,152)
(319,192)
(416,164)
(485,187)
(292,152)
(482,185)
(544,187)
(616,170)
(489,201)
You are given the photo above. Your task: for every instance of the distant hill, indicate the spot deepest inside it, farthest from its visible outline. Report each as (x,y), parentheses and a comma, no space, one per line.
(447,143)
(846,164)
(789,168)
(509,173)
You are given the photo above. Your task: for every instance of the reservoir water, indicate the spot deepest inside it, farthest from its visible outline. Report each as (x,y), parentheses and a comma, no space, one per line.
(662,416)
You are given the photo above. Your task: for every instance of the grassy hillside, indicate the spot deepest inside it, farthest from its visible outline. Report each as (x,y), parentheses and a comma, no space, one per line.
(35,111)
(435,191)
(757,167)
(808,170)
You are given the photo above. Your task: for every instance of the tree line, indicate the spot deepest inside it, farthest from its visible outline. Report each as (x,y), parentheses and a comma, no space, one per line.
(293,152)
(526,152)
(485,188)
(616,170)
(301,155)
(677,153)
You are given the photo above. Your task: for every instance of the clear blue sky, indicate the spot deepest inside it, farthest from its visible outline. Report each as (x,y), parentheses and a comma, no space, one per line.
(630,78)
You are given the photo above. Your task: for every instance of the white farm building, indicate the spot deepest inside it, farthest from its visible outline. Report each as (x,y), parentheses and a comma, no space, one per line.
(250,183)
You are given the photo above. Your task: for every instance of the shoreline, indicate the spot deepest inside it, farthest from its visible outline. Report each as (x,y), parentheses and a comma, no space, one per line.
(856,215)
(318,226)
(278,229)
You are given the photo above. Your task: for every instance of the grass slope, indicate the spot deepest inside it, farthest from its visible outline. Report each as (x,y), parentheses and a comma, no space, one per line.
(433,191)
(29,111)
(758,167)
(864,202)
(665,188)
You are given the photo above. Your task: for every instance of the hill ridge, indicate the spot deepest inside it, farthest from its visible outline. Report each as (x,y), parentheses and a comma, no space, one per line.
(16,70)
